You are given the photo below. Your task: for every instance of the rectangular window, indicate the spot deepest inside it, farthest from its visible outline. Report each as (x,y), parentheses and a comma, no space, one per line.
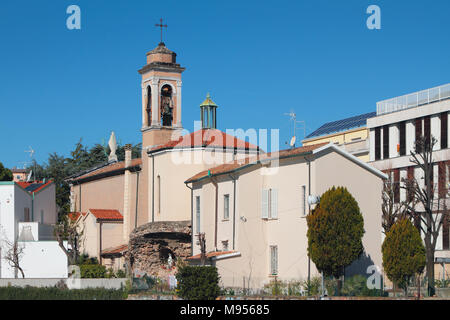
(273,260)
(410,177)
(418,132)
(197,213)
(226,207)
(396,185)
(446,235)
(303,200)
(385,142)
(402,142)
(26,215)
(444,130)
(269,204)
(377,143)
(427,129)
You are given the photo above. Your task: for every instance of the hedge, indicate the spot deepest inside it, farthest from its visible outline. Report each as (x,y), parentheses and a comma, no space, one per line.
(35,293)
(92,271)
(198,283)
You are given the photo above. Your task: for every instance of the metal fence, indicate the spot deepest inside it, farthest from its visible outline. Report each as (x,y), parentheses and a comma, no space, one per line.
(413,100)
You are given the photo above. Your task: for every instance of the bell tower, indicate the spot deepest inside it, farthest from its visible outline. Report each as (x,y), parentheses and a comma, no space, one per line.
(161,97)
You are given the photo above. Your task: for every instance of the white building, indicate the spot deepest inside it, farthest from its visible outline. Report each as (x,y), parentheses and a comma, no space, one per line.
(27,214)
(393,132)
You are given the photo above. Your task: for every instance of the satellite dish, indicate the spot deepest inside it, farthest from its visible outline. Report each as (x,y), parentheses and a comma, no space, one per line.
(29,176)
(292,143)
(313,199)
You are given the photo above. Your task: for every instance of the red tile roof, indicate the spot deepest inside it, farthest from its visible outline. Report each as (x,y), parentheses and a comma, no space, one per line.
(231,166)
(212,254)
(106,214)
(116,166)
(34,186)
(207,138)
(116,250)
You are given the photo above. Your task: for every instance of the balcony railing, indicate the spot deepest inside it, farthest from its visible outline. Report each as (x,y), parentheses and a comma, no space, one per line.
(413,100)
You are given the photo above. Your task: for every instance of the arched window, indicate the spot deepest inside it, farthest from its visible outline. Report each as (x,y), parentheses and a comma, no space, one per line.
(149,106)
(166,105)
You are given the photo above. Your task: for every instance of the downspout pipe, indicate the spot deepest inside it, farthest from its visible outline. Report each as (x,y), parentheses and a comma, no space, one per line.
(214,182)
(309,212)
(192,217)
(234,210)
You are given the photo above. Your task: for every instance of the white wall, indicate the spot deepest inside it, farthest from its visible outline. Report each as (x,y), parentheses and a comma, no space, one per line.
(43,259)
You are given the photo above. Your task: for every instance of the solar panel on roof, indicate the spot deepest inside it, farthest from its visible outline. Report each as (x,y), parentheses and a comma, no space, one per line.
(34,186)
(341,125)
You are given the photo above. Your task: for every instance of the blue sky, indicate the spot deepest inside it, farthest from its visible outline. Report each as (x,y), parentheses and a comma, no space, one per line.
(259,60)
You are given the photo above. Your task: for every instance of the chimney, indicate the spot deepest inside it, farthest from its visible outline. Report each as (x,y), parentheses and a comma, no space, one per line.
(128,155)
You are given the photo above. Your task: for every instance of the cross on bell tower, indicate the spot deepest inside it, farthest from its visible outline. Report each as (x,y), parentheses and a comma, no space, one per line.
(161,25)
(161,95)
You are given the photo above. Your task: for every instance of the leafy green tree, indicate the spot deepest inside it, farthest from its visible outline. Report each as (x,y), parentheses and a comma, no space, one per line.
(5,173)
(335,231)
(404,254)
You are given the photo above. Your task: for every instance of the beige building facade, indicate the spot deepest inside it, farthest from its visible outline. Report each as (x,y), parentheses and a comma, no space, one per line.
(253,212)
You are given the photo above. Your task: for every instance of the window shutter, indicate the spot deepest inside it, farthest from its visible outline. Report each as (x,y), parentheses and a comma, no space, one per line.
(274,260)
(274,203)
(265,204)
(303,200)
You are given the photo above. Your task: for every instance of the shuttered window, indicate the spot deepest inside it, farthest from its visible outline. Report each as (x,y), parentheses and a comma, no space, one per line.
(197,213)
(303,200)
(273,260)
(265,204)
(226,207)
(269,204)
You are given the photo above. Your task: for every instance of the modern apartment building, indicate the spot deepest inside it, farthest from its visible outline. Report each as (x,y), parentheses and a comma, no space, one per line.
(351,134)
(399,122)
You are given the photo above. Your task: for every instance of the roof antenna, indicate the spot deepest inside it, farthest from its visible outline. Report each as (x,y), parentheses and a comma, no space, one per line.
(293,118)
(31,151)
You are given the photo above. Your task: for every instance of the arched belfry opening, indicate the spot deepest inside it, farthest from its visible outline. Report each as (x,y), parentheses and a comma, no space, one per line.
(208,110)
(166,105)
(149,106)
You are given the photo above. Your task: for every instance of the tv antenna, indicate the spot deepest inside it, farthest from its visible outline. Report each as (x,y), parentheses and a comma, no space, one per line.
(31,152)
(293,118)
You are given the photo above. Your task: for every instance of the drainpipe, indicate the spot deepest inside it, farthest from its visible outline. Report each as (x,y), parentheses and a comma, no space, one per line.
(192,218)
(100,244)
(309,212)
(234,210)
(214,182)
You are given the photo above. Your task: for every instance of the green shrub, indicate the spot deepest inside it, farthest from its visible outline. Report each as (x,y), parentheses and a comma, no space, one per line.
(34,293)
(403,253)
(335,231)
(84,259)
(120,274)
(198,283)
(356,286)
(92,271)
(313,287)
